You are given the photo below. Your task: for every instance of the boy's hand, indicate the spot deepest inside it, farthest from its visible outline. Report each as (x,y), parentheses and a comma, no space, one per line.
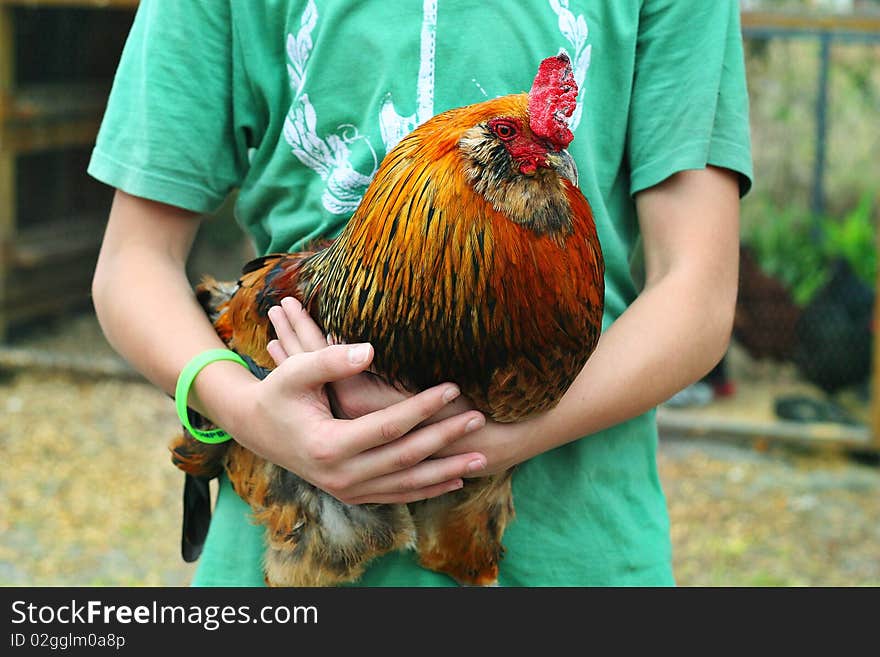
(380,457)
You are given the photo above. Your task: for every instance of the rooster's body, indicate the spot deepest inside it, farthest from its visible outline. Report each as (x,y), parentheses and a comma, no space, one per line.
(472,258)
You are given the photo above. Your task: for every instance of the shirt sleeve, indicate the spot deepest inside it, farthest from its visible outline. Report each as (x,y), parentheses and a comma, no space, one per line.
(168,132)
(689,105)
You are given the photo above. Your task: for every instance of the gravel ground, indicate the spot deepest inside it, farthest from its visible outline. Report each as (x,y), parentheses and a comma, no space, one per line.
(742,517)
(90,497)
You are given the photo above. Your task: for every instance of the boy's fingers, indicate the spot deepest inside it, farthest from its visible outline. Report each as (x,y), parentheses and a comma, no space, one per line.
(365,394)
(310,336)
(311,369)
(284,330)
(409,454)
(460,405)
(411,496)
(276,352)
(389,424)
(432,472)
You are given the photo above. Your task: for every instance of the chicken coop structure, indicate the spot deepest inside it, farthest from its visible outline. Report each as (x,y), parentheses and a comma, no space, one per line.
(57,59)
(845,304)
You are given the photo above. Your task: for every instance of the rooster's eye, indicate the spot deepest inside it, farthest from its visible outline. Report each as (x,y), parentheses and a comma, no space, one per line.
(504,130)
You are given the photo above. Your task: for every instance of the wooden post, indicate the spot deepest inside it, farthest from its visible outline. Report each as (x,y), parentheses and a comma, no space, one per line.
(810,22)
(875,382)
(7,158)
(818,200)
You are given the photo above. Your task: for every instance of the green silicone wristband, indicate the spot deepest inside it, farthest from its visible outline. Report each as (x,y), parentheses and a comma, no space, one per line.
(184,382)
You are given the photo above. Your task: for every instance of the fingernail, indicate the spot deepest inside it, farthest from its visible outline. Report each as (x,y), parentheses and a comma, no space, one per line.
(456,485)
(451,393)
(474,424)
(476,465)
(358,353)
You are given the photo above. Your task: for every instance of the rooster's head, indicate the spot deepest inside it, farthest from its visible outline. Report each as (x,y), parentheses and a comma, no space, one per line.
(515,151)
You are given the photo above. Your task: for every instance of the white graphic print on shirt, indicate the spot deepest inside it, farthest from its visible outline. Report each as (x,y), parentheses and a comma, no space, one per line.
(331,156)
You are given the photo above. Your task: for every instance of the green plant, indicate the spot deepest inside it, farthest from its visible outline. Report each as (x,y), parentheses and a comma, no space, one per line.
(784,241)
(853,239)
(798,248)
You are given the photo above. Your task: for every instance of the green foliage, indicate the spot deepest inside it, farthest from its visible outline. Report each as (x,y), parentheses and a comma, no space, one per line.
(784,243)
(798,248)
(853,239)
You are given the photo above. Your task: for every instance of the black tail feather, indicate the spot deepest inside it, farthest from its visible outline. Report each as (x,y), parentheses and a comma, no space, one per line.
(196,516)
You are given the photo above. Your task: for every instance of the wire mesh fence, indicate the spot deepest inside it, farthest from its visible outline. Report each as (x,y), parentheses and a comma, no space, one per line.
(800,364)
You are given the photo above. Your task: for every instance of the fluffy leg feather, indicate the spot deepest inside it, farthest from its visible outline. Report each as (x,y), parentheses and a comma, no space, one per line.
(460,533)
(312,538)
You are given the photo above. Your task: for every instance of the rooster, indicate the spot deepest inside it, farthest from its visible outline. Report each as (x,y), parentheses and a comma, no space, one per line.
(473,257)
(834,337)
(766,314)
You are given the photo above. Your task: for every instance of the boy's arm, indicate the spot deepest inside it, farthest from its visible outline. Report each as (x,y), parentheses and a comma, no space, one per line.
(143,299)
(149,313)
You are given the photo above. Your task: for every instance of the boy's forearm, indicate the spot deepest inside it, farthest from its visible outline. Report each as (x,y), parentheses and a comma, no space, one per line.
(147,308)
(159,332)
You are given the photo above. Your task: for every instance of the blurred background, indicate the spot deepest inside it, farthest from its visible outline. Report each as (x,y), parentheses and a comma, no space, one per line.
(770,464)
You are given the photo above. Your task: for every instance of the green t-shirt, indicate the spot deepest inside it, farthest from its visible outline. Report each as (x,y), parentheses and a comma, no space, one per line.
(295,102)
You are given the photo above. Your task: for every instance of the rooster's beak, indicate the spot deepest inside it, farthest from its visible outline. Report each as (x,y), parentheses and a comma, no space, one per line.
(564,165)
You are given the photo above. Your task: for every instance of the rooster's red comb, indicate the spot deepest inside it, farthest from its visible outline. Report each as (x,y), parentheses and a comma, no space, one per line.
(552,100)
